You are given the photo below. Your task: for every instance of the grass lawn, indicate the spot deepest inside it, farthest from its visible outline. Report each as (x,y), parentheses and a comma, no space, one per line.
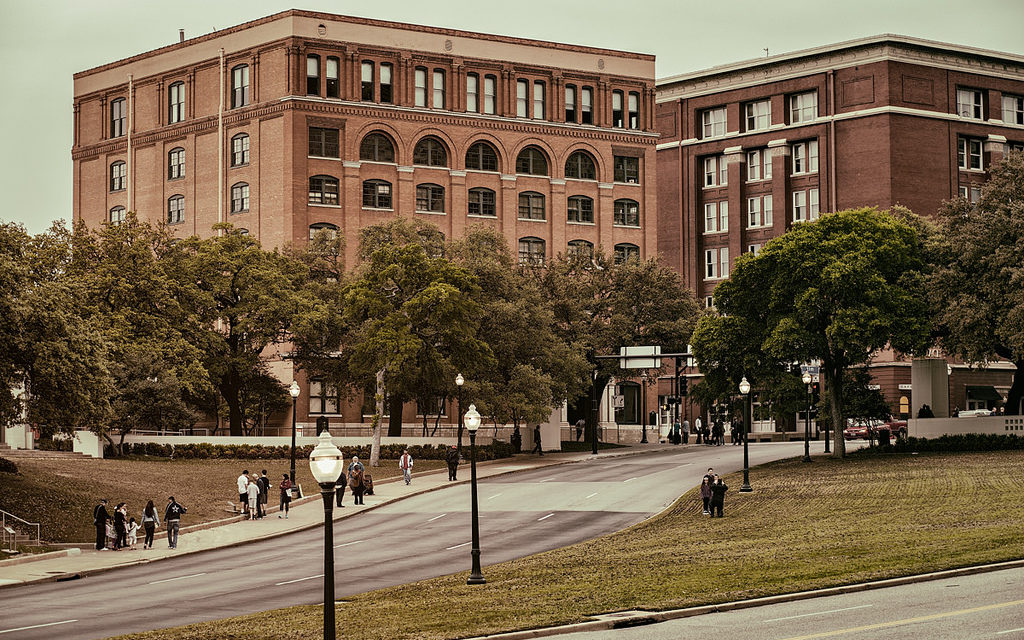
(804,526)
(60,493)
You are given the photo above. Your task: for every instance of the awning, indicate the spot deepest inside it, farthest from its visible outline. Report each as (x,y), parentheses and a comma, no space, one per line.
(988,394)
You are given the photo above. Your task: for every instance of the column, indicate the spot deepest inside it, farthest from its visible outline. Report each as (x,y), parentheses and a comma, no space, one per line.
(782,205)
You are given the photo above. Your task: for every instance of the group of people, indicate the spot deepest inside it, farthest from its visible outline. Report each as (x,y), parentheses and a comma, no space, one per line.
(712,434)
(119,531)
(712,493)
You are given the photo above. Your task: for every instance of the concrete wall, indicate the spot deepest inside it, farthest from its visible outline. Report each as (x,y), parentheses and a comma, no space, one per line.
(88,443)
(936,427)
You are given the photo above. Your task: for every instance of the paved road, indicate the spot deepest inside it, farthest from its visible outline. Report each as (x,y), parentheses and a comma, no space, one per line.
(421,537)
(986,606)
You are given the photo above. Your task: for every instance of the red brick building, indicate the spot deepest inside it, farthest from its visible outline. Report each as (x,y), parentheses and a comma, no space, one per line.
(303,120)
(749,149)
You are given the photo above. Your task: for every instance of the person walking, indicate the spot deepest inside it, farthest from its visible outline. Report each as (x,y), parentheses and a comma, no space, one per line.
(452,458)
(719,437)
(286,495)
(718,496)
(537,448)
(686,431)
(355,481)
(172,517)
(253,491)
(580,424)
(340,484)
(120,527)
(405,464)
(133,534)
(99,520)
(697,426)
(150,521)
(705,495)
(243,493)
(264,483)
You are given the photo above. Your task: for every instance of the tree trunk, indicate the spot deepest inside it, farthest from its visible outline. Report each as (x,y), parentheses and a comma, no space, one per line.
(834,384)
(229,389)
(379,397)
(395,420)
(1013,399)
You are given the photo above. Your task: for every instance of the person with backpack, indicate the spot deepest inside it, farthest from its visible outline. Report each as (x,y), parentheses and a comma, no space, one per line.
(172,518)
(286,495)
(405,464)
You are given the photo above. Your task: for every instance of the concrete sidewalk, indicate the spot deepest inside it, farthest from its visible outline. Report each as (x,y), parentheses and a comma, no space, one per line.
(304,514)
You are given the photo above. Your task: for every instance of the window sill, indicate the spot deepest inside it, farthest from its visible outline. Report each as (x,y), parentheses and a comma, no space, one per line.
(483,216)
(635,183)
(323,157)
(432,213)
(431,166)
(626,226)
(965,170)
(803,173)
(239,166)
(376,209)
(325,206)
(756,180)
(174,224)
(117,191)
(175,179)
(713,233)
(708,187)
(235,213)
(582,224)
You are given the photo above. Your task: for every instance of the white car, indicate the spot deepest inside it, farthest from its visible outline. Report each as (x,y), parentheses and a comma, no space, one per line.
(970,413)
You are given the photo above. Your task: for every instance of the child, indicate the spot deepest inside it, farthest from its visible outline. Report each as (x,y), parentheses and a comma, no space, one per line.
(133,534)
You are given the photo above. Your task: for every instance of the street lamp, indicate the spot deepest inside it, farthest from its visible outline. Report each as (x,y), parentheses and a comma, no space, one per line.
(294,391)
(807,418)
(459,381)
(745,390)
(643,409)
(326,464)
(473,423)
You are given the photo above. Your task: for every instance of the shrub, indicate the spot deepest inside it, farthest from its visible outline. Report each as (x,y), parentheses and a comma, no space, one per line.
(6,466)
(951,443)
(205,450)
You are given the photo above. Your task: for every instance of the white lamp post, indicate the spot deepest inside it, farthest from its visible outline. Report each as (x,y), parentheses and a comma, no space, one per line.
(745,390)
(326,462)
(806,378)
(294,391)
(473,423)
(459,381)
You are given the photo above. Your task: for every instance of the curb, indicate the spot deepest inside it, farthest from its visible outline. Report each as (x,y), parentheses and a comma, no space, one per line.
(620,620)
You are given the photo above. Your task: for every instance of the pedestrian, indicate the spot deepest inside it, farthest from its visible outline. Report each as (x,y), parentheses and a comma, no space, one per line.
(405,464)
(172,517)
(710,476)
(120,527)
(99,520)
(686,431)
(253,491)
(737,434)
(355,481)
(340,483)
(150,521)
(580,424)
(705,495)
(264,484)
(286,495)
(719,434)
(452,458)
(697,428)
(536,440)
(133,534)
(243,493)
(718,496)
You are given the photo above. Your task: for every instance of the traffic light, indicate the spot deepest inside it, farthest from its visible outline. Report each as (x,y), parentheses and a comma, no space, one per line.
(683,383)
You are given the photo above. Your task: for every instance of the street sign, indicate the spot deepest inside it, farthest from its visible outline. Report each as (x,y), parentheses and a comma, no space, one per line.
(812,369)
(618,402)
(645,357)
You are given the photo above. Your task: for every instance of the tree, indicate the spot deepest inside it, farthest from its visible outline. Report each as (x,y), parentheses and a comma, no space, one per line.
(836,289)
(978,274)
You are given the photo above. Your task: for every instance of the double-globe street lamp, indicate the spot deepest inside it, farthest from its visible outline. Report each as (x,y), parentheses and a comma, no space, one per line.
(745,390)
(472,424)
(807,418)
(326,463)
(294,391)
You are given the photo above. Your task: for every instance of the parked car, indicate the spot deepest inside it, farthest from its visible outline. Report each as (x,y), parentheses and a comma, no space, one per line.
(868,429)
(970,413)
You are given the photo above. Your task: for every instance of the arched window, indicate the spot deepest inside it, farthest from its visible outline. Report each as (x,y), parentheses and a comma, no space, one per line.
(118,176)
(377,147)
(627,213)
(482,202)
(430,152)
(581,165)
(241,231)
(117,215)
(176,102)
(531,251)
(240,150)
(330,229)
(482,157)
(312,75)
(323,190)
(239,197)
(376,194)
(430,198)
(239,86)
(175,163)
(531,206)
(176,209)
(625,251)
(581,248)
(581,209)
(531,161)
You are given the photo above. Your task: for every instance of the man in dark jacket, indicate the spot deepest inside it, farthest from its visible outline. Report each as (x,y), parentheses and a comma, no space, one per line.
(263,482)
(536,440)
(452,458)
(718,496)
(172,519)
(99,518)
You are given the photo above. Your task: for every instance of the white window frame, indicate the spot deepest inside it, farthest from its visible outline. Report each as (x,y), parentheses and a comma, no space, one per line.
(1013,109)
(759,211)
(970,154)
(803,107)
(799,206)
(970,103)
(754,248)
(723,262)
(522,98)
(322,398)
(710,217)
(813,206)
(758,115)
(709,302)
(754,165)
(490,93)
(805,157)
(711,264)
(716,172)
(723,215)
(420,87)
(540,90)
(437,89)
(713,122)
(970,192)
(472,92)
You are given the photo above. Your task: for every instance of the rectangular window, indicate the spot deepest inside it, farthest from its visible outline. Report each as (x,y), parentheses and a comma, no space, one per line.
(1013,109)
(323,143)
(970,193)
(753,166)
(753,212)
(176,164)
(723,216)
(799,206)
(969,103)
(617,114)
(969,153)
(522,98)
(812,204)
(570,103)
(421,87)
(366,81)
(438,89)
(586,106)
(634,110)
(766,171)
(711,263)
(176,99)
(803,107)
(758,115)
(118,112)
(766,210)
(805,157)
(490,93)
(716,172)
(709,301)
(386,93)
(754,248)
(240,86)
(333,77)
(323,398)
(538,100)
(472,93)
(723,262)
(581,210)
(626,169)
(312,75)
(713,122)
(710,217)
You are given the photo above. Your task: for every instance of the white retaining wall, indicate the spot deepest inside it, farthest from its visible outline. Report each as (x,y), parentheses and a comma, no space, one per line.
(935,427)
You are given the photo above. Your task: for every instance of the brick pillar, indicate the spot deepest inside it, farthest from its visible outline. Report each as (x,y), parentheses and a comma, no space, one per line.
(737,215)
(781,203)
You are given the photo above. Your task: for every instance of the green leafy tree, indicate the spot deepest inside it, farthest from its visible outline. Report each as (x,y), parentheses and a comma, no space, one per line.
(978,275)
(836,290)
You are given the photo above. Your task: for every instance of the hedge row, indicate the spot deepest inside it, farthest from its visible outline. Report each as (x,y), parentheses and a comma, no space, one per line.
(953,443)
(205,451)
(6,466)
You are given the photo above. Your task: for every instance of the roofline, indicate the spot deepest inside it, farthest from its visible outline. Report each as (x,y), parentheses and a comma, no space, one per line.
(839,46)
(369,22)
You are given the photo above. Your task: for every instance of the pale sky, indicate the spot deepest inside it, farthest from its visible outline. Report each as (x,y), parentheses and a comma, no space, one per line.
(44,42)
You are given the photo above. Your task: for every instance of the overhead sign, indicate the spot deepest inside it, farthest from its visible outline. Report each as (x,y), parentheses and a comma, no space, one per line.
(812,369)
(645,357)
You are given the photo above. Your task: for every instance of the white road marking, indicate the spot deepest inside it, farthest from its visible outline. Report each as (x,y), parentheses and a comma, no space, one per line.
(545,517)
(998,633)
(437,517)
(38,626)
(348,544)
(590,496)
(629,480)
(546,480)
(494,496)
(459,545)
(194,575)
(319,575)
(819,613)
